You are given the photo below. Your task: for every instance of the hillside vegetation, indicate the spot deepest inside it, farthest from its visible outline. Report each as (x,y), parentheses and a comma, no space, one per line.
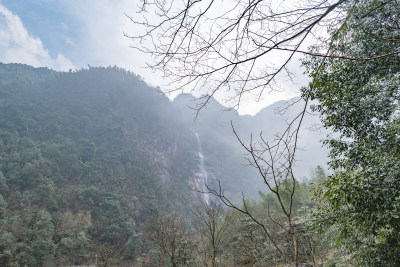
(98,167)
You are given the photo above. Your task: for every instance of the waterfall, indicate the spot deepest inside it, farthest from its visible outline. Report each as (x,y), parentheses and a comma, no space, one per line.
(202,178)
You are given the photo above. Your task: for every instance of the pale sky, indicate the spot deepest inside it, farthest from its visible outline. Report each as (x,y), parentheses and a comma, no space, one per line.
(63,35)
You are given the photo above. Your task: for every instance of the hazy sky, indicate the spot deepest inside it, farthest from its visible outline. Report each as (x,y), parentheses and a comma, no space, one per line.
(63,35)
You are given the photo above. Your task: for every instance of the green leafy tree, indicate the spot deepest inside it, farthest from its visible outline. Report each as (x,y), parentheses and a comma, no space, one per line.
(41,230)
(3,183)
(72,232)
(357,88)
(3,206)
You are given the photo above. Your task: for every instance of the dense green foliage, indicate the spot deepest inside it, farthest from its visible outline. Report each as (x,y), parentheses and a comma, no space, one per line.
(358,99)
(77,177)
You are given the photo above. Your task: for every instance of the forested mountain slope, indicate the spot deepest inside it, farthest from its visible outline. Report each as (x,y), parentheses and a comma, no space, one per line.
(90,159)
(82,154)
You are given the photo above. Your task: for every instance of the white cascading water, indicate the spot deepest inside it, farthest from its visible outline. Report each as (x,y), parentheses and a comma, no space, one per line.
(202,178)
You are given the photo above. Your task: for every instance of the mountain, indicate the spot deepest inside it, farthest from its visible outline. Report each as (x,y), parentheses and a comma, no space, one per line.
(90,159)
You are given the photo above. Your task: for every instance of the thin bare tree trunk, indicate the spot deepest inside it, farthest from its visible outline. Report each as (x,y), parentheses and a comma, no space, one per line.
(295,247)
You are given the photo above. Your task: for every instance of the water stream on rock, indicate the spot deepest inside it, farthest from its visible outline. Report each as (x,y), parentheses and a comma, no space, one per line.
(202,177)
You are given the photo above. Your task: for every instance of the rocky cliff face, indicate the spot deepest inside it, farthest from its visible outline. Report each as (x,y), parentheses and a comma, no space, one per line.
(165,154)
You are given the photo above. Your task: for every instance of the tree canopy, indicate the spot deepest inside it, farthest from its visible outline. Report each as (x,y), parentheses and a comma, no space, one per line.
(359,100)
